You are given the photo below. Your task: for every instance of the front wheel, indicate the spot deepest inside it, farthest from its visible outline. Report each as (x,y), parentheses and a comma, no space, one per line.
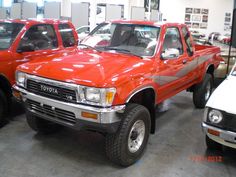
(127,145)
(202,91)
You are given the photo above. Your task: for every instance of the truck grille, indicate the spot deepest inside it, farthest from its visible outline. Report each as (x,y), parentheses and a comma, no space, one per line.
(51,91)
(51,112)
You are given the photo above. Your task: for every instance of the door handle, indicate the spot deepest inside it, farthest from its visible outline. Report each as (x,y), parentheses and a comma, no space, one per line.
(184,61)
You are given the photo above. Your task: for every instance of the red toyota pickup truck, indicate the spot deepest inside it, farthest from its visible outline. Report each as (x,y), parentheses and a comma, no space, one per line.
(24,40)
(112,84)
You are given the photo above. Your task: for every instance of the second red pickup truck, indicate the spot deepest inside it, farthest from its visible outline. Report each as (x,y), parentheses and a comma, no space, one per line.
(24,40)
(113,83)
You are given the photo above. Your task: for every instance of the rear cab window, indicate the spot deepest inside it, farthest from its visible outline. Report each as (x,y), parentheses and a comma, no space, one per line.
(66,32)
(187,40)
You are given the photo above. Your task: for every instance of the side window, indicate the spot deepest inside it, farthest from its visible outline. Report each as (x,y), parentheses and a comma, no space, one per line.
(39,37)
(67,35)
(187,41)
(172,46)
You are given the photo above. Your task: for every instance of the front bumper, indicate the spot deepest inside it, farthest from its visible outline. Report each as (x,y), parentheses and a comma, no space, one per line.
(107,119)
(227,138)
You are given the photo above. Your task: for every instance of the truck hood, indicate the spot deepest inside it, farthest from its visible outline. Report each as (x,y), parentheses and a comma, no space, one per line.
(87,67)
(223,98)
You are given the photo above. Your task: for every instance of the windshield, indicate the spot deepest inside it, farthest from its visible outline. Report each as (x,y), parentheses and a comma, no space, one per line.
(8,33)
(134,39)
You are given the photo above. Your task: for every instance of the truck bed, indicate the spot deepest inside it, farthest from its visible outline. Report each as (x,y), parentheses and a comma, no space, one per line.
(199,48)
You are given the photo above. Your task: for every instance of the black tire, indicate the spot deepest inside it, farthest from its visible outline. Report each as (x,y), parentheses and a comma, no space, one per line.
(201,91)
(41,125)
(212,145)
(117,148)
(3,107)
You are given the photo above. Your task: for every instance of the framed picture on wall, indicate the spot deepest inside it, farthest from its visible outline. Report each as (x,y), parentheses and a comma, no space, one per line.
(196,18)
(228,14)
(154,5)
(187,17)
(205,18)
(205,11)
(188,10)
(227,19)
(196,11)
(195,25)
(203,25)
(189,24)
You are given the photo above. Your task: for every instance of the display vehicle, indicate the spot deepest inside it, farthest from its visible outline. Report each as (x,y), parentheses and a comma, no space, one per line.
(24,40)
(219,123)
(115,81)
(82,32)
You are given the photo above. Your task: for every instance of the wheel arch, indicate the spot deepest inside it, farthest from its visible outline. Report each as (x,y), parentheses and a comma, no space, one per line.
(145,96)
(5,85)
(210,69)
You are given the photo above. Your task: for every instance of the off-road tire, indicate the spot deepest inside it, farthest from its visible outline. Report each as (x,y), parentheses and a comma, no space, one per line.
(117,149)
(3,107)
(41,125)
(212,145)
(200,91)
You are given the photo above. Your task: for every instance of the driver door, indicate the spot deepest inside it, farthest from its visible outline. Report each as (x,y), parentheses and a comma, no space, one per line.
(171,64)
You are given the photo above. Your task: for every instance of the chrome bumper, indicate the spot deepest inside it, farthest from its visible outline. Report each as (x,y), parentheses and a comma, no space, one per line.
(105,116)
(226,138)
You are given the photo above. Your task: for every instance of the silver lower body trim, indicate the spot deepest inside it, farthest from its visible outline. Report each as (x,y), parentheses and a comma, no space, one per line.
(226,138)
(104,115)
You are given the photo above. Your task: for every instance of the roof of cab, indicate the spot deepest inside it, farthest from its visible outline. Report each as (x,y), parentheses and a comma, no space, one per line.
(143,22)
(35,21)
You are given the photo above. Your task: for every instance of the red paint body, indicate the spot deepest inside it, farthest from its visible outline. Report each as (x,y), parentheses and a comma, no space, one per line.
(10,59)
(127,73)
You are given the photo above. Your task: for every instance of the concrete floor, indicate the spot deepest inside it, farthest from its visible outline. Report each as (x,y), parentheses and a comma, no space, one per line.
(177,149)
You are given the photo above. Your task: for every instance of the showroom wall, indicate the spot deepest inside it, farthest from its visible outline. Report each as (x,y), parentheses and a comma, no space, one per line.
(174,11)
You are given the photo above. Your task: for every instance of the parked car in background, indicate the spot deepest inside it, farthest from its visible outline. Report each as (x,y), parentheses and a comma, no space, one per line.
(24,40)
(82,32)
(226,39)
(214,35)
(114,82)
(223,38)
(197,34)
(219,123)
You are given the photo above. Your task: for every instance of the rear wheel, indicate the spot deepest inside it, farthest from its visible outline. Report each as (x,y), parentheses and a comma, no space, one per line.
(41,125)
(202,91)
(127,145)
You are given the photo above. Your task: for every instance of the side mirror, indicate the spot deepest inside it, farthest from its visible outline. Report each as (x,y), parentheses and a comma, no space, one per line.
(170,53)
(29,47)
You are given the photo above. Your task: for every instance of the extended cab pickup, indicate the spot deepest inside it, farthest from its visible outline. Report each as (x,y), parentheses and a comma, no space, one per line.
(112,84)
(24,40)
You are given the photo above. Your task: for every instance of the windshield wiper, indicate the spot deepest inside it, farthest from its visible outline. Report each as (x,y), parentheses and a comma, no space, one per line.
(90,47)
(122,51)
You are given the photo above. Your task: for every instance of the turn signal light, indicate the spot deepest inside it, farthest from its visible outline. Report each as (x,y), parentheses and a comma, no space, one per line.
(89,115)
(109,97)
(213,132)
(16,94)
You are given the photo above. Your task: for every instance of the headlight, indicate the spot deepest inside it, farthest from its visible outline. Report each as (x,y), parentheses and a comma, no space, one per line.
(215,116)
(20,78)
(92,94)
(97,96)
